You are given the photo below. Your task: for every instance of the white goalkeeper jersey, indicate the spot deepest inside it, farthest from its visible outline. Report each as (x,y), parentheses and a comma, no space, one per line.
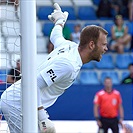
(59,70)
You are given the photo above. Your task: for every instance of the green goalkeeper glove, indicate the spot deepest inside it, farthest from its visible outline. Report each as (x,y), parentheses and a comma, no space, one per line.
(58,17)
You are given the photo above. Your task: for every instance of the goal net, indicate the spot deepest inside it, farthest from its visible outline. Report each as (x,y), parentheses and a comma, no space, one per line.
(9,45)
(12,53)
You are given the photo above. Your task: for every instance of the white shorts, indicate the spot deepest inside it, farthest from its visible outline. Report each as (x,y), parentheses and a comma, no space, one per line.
(13,117)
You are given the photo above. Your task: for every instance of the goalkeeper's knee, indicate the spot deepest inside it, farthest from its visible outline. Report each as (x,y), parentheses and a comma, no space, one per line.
(46,126)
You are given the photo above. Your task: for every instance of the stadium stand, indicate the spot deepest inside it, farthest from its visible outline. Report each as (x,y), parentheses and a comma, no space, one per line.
(106,62)
(82,2)
(46,29)
(63,2)
(112,74)
(42,45)
(39,29)
(94,23)
(123,60)
(83,12)
(89,65)
(43,12)
(42,3)
(124,74)
(88,77)
(108,26)
(130,27)
(3,74)
(96,2)
(86,13)
(70,26)
(71,10)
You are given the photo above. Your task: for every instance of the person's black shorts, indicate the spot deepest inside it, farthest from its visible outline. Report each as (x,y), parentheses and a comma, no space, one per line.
(107,123)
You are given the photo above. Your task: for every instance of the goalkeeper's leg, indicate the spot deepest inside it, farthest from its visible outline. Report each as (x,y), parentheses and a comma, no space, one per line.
(13,117)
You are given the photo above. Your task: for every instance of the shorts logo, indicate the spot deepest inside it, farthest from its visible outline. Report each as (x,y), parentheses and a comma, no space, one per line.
(52,75)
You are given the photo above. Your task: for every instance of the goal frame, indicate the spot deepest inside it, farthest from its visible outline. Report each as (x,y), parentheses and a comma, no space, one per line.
(28,63)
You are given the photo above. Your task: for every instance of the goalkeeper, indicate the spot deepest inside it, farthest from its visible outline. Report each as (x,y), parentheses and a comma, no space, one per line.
(57,73)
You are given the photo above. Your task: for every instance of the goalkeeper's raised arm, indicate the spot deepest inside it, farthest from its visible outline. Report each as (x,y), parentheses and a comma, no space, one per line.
(58,18)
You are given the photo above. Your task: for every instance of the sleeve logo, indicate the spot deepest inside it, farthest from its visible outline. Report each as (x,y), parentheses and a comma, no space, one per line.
(52,74)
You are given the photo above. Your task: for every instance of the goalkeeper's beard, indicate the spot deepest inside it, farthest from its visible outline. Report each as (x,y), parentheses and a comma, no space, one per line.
(96,54)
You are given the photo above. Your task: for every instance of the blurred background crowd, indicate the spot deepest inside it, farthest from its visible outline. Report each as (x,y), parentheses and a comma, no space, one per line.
(116,16)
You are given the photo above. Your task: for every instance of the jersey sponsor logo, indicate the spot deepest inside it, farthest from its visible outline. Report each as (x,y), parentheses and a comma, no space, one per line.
(52,75)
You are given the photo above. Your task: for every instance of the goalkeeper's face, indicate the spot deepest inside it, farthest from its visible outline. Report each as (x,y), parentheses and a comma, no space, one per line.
(100,48)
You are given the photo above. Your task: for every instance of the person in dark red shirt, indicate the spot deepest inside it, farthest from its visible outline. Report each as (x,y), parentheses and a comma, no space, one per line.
(107,104)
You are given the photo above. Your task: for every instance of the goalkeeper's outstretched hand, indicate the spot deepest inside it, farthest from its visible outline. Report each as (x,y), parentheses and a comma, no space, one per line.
(58,17)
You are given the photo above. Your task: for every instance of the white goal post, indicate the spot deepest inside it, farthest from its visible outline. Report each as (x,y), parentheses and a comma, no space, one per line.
(18,40)
(28,56)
